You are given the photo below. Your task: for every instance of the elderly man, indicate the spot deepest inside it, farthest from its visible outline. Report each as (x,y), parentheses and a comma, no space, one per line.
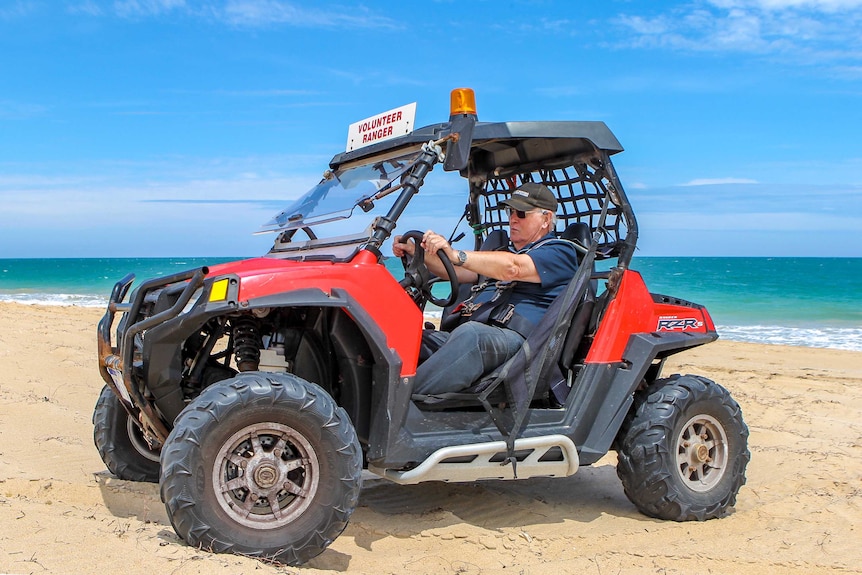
(497,319)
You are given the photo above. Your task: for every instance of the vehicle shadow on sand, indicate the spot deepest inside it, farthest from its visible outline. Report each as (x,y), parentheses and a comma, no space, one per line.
(590,493)
(125,499)
(387,510)
(593,491)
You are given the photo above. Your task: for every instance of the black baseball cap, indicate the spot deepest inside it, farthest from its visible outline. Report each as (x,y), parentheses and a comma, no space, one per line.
(531,195)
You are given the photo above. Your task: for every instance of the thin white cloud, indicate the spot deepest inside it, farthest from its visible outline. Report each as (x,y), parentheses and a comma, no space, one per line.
(738,222)
(689,233)
(815,5)
(177,213)
(16,9)
(811,32)
(822,206)
(848,72)
(10,110)
(87,8)
(141,8)
(718,181)
(257,13)
(237,13)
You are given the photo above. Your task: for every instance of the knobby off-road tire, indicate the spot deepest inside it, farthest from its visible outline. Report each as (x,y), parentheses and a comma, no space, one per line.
(121,443)
(683,453)
(263,464)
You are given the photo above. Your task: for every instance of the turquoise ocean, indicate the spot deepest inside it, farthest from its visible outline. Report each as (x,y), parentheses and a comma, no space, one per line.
(813,302)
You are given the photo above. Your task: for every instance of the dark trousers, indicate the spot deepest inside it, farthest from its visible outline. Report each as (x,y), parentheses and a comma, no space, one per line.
(454,361)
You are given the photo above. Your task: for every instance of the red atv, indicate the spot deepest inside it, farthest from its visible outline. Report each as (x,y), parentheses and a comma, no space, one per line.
(256,392)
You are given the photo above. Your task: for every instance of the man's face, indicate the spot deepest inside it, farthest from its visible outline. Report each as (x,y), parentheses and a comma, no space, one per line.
(534,224)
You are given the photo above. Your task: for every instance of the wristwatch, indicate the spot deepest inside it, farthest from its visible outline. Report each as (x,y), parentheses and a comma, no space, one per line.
(462,258)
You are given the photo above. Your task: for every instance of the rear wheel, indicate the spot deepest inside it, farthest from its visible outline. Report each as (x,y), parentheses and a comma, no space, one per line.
(683,454)
(120,442)
(265,465)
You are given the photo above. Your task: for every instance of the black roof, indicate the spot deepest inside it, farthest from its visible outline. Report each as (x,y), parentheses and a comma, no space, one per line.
(500,145)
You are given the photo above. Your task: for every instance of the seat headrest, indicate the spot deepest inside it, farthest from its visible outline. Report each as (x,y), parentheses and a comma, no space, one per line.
(496,240)
(578,232)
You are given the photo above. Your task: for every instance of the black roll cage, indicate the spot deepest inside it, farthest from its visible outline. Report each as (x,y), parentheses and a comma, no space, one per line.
(571,158)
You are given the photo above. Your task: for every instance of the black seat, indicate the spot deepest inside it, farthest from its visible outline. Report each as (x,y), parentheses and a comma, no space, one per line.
(581,234)
(578,232)
(496,240)
(555,389)
(569,356)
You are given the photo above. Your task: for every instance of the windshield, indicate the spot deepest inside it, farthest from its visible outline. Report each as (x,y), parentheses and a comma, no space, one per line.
(339,192)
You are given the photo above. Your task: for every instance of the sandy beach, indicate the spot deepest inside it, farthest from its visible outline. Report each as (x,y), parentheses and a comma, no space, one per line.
(800,512)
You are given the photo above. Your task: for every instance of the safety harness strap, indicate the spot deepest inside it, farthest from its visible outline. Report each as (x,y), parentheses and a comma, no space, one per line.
(498,311)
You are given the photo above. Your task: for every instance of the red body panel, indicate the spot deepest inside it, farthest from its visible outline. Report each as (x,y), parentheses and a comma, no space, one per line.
(367,281)
(634,311)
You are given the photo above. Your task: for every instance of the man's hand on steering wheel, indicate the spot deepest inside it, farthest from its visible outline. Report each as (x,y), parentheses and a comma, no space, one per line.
(434,243)
(417,274)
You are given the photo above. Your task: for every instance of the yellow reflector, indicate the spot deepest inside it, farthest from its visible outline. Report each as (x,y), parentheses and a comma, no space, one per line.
(219,290)
(462,101)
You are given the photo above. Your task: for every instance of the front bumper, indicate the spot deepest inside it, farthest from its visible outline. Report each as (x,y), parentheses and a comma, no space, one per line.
(116,361)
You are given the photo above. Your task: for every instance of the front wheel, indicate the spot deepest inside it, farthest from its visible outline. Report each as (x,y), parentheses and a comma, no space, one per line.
(265,465)
(121,443)
(683,453)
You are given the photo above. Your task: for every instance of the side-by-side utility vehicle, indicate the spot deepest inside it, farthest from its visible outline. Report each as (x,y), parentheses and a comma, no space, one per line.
(258,392)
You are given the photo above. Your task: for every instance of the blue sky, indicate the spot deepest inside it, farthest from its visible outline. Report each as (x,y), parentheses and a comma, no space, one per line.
(177,127)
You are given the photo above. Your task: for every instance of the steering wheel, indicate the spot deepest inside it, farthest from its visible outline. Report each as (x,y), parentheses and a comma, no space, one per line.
(417,275)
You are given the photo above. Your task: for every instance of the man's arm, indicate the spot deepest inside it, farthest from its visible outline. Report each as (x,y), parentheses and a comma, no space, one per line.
(432,260)
(504,266)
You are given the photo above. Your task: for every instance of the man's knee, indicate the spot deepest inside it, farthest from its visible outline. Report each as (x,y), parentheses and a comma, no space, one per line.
(432,340)
(468,333)
(490,344)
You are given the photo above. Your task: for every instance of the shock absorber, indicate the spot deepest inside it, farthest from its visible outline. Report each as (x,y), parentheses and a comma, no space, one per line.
(247,343)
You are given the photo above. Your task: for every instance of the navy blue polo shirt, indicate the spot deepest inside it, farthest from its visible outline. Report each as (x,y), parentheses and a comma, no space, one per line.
(556,261)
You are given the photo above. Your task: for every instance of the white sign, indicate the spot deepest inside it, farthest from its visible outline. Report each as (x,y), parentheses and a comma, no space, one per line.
(380,127)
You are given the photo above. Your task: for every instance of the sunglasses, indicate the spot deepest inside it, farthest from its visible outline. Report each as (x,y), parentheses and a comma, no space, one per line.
(521,213)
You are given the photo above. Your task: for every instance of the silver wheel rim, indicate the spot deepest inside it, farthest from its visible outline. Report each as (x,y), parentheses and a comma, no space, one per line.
(701,453)
(139,444)
(265,475)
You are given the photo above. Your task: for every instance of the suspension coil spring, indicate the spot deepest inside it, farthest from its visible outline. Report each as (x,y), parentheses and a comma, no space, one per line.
(247,343)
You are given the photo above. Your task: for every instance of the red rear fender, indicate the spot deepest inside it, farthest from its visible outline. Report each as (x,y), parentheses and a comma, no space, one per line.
(636,310)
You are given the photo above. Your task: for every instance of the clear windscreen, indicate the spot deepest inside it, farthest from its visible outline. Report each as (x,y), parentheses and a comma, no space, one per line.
(339,192)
